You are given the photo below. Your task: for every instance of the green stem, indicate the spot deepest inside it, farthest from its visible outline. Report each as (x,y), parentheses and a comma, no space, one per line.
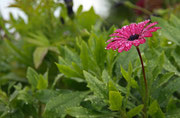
(129,4)
(145,83)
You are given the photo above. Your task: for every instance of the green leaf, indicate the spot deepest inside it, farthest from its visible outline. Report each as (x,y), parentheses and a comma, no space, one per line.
(57,106)
(79,10)
(85,21)
(130,69)
(71,56)
(18,53)
(111,86)
(32,77)
(176,55)
(153,108)
(80,112)
(135,111)
(125,74)
(155,111)
(26,95)
(38,55)
(172,33)
(105,76)
(164,93)
(45,95)
(68,71)
(38,39)
(164,79)
(84,55)
(42,82)
(3,97)
(160,62)
(115,100)
(98,87)
(169,67)
(175,20)
(99,52)
(172,106)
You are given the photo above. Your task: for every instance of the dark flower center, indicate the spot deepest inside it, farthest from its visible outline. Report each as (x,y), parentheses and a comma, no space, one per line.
(133,37)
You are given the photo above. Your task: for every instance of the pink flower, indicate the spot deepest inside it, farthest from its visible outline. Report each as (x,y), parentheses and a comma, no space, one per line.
(133,34)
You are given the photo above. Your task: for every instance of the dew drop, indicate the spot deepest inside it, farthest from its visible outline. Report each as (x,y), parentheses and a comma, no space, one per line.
(169,42)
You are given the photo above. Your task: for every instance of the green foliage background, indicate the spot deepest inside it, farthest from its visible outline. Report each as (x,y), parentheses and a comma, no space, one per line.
(57,67)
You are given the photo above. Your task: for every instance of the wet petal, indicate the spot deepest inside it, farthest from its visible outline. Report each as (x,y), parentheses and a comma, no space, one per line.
(142,40)
(153,29)
(147,34)
(141,25)
(128,46)
(136,43)
(121,49)
(150,25)
(126,31)
(133,28)
(118,35)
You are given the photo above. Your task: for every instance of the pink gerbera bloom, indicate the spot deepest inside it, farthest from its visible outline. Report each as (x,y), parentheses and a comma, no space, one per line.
(133,34)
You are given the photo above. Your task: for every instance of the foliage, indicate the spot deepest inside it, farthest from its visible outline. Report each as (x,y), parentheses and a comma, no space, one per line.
(57,66)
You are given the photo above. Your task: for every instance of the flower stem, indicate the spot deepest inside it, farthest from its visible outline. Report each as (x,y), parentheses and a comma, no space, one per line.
(145,83)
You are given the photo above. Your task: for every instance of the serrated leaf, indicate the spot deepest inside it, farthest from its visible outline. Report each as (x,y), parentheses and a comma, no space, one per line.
(111,86)
(57,106)
(80,112)
(172,33)
(85,21)
(38,55)
(115,100)
(135,111)
(163,94)
(96,86)
(71,56)
(45,95)
(105,76)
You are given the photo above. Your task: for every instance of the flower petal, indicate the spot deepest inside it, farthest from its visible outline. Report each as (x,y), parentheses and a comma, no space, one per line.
(137,32)
(153,29)
(126,31)
(150,25)
(136,43)
(118,35)
(143,40)
(115,39)
(147,34)
(141,25)
(133,28)
(121,49)
(128,45)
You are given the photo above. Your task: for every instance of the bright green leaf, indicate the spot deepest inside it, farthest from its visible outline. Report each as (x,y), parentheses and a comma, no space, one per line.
(135,111)
(115,100)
